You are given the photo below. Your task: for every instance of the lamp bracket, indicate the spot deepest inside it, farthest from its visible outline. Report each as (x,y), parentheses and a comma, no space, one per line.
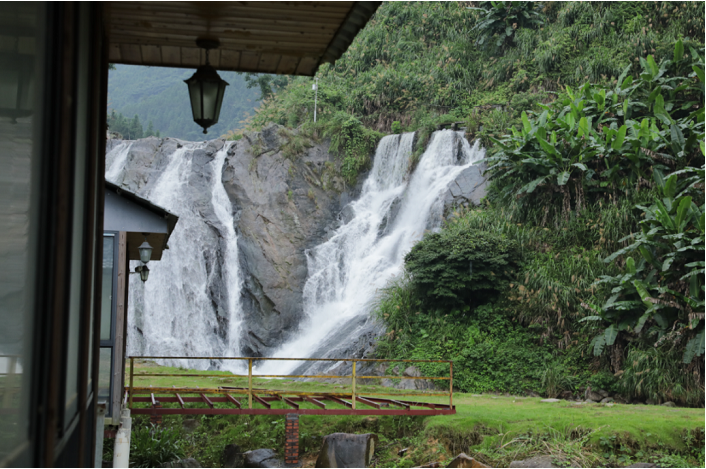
(208,43)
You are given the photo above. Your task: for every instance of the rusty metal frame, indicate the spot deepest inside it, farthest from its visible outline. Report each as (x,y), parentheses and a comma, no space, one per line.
(228,400)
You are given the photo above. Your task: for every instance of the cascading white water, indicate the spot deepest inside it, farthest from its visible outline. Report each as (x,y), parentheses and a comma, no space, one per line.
(393,213)
(231,268)
(180,310)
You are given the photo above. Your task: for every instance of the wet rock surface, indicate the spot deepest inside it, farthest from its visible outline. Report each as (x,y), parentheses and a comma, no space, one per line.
(469,187)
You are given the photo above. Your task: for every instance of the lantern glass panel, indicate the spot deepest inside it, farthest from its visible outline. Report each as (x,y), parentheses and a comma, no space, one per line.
(210,100)
(195,95)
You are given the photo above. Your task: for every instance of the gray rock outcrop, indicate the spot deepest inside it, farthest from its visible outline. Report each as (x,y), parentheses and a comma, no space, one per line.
(469,187)
(285,206)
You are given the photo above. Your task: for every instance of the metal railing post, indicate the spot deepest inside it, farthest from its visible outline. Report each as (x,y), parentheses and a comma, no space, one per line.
(451,384)
(132,375)
(249,383)
(353,393)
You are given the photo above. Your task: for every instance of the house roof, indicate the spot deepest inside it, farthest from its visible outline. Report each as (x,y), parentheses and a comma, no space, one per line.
(291,38)
(141,219)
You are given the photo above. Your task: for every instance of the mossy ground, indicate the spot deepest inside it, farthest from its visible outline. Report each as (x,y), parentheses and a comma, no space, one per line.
(495,429)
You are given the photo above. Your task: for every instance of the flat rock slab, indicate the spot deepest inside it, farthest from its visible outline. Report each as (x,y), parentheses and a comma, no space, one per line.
(261,458)
(463,460)
(537,461)
(550,400)
(347,450)
(188,462)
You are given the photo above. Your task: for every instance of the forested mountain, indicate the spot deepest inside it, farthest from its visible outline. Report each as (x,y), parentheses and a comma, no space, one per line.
(589,249)
(160,95)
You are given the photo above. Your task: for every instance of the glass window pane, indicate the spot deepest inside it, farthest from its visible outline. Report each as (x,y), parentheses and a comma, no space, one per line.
(107,294)
(20,52)
(106,360)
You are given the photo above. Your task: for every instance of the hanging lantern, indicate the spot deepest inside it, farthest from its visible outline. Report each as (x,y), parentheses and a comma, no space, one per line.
(206,89)
(145,252)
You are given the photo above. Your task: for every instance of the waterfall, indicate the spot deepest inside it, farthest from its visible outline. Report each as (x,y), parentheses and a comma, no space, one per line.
(190,304)
(364,254)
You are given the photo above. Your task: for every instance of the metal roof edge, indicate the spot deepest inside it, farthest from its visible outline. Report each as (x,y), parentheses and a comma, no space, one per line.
(162,212)
(358,16)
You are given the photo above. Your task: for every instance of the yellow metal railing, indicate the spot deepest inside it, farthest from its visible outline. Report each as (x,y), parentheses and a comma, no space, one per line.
(250,391)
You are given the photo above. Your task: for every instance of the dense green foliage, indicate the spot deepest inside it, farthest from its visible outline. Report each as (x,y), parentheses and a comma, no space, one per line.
(160,95)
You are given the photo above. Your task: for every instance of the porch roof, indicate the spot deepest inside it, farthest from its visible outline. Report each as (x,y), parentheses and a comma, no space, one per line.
(291,38)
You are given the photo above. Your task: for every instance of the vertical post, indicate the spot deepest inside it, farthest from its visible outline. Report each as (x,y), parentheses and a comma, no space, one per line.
(451,384)
(316,95)
(353,394)
(249,383)
(291,440)
(132,374)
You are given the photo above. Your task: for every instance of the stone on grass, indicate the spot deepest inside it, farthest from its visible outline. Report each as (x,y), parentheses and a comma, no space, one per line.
(261,458)
(233,456)
(589,401)
(593,396)
(607,400)
(550,400)
(537,461)
(463,460)
(188,462)
(347,450)
(603,392)
(669,404)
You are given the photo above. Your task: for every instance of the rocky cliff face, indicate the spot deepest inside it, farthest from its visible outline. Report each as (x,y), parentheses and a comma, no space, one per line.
(283,204)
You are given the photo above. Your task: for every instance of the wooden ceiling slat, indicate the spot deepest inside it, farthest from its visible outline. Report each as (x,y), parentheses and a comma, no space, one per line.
(230,59)
(288,65)
(171,55)
(151,53)
(131,52)
(274,14)
(321,39)
(307,25)
(200,9)
(249,60)
(191,56)
(268,62)
(114,53)
(227,43)
(307,66)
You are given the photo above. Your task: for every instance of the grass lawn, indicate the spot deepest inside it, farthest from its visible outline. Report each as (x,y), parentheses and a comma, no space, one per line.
(494,429)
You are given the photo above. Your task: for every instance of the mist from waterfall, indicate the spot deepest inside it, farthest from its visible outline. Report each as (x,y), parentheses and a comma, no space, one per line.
(393,212)
(190,304)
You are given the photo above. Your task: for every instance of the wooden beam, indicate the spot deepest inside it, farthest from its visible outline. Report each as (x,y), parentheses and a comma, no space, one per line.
(181,401)
(261,400)
(316,402)
(234,401)
(206,400)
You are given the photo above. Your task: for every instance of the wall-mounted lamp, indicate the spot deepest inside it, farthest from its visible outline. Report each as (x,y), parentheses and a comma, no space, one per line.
(206,89)
(143,271)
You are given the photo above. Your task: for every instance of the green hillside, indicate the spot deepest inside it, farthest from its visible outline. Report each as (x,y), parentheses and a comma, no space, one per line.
(591,241)
(160,95)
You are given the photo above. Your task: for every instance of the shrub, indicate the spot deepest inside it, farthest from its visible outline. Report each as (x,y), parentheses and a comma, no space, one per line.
(461,267)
